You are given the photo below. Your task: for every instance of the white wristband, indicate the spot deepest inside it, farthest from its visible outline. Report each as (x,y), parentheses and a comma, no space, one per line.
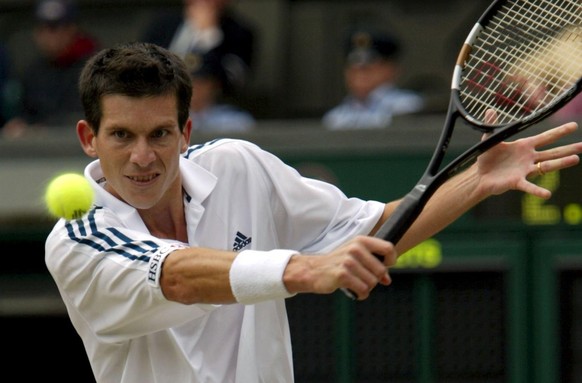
(257,276)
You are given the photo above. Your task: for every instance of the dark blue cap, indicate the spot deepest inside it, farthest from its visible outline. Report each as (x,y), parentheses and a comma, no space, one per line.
(367,46)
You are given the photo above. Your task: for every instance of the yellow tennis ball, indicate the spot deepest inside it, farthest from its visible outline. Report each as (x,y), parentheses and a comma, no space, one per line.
(69,196)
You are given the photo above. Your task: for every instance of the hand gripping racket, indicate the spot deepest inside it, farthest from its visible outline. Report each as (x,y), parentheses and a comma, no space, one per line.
(523,60)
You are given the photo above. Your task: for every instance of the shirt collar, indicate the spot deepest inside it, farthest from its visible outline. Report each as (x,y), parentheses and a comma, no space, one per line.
(196,181)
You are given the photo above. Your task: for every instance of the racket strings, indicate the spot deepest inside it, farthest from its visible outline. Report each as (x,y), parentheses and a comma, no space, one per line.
(528,55)
(534,68)
(540,34)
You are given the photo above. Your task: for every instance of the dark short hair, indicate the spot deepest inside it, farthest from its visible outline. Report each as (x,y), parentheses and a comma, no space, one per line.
(137,70)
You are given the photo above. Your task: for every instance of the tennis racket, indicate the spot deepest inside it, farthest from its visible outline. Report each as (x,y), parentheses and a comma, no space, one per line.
(522,60)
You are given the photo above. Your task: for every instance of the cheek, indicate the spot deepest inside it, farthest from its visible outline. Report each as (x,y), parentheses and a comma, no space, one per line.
(169,158)
(113,161)
(110,169)
(173,166)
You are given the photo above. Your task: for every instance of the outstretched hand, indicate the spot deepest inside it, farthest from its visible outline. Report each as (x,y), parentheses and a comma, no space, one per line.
(508,165)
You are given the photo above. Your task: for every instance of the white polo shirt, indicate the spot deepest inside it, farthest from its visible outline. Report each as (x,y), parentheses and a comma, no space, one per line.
(237,197)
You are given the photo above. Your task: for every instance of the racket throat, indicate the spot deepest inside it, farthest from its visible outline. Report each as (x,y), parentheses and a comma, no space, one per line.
(406,212)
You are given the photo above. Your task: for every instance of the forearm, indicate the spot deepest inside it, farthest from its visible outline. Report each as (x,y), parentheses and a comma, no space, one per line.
(198,275)
(454,198)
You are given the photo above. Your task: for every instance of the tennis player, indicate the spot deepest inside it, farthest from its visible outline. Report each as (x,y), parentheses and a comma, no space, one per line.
(180,271)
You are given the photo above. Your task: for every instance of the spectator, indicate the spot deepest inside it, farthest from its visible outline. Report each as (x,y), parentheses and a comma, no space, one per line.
(204,26)
(50,97)
(208,110)
(6,81)
(370,74)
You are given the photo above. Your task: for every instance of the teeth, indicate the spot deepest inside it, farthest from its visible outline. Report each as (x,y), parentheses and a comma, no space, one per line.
(142,179)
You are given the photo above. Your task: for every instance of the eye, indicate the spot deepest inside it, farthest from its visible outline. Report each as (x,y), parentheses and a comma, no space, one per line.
(119,134)
(160,133)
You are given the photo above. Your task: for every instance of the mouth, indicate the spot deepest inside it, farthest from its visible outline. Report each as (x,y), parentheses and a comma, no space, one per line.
(142,180)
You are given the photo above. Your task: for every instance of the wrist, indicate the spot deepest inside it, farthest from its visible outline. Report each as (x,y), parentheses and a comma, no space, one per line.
(297,273)
(257,276)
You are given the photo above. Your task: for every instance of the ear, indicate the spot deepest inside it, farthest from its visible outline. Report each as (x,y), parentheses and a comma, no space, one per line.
(186,135)
(86,137)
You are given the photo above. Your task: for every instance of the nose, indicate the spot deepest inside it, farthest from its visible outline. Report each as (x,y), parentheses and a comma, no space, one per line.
(142,154)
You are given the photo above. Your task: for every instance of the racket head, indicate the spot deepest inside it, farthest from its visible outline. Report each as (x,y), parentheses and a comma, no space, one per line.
(522,59)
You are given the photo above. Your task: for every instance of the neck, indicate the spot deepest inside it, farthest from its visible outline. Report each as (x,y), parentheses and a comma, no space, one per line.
(167,223)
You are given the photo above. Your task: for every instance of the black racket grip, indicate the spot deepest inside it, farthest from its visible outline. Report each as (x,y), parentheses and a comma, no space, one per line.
(397,224)
(402,217)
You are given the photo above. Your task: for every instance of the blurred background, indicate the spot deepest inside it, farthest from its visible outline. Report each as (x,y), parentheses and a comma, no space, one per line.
(299,48)
(496,297)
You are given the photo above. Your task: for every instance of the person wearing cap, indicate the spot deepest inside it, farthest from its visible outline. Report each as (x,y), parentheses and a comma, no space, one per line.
(6,81)
(50,97)
(370,74)
(208,109)
(204,26)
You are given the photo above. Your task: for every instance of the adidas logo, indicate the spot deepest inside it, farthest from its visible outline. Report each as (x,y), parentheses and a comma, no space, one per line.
(240,241)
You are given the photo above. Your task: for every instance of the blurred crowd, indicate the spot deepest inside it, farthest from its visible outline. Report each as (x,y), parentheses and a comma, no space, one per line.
(214,41)
(46,95)
(220,47)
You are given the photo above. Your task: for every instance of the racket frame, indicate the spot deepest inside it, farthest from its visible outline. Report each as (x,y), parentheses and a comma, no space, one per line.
(413,203)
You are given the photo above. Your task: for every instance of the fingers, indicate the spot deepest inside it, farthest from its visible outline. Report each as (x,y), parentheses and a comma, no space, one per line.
(490,116)
(508,165)
(555,158)
(533,189)
(552,135)
(559,153)
(365,262)
(558,163)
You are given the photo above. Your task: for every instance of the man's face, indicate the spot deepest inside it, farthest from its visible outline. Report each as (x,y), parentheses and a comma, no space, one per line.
(139,144)
(362,79)
(52,40)
(214,3)
(205,92)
